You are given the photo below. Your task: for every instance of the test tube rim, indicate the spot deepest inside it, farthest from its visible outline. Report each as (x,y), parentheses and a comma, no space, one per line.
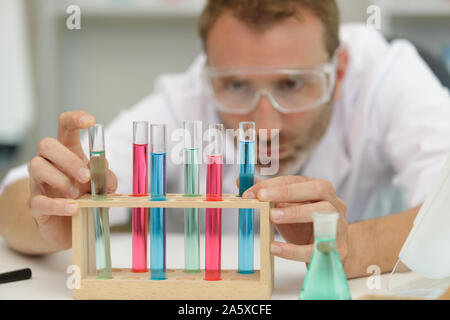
(197,142)
(325,215)
(163,145)
(91,130)
(241,131)
(212,151)
(135,124)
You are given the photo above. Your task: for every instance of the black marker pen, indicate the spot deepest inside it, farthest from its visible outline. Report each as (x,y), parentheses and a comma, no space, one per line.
(17,275)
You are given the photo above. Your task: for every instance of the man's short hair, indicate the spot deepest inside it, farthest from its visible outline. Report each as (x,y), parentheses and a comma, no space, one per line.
(261,14)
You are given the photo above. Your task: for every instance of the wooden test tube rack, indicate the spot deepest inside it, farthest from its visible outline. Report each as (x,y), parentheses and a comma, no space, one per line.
(179,285)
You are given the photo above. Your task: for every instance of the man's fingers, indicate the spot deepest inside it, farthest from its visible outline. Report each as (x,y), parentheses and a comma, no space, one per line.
(271,183)
(43,207)
(70,124)
(312,190)
(291,251)
(44,172)
(301,213)
(111,180)
(64,159)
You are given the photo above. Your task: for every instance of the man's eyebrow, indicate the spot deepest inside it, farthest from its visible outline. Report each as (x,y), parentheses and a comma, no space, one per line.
(232,77)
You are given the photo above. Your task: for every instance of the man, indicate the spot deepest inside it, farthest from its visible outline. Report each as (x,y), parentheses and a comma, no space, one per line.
(364,129)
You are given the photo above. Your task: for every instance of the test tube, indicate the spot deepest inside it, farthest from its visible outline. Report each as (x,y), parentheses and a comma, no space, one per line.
(158,193)
(99,191)
(192,151)
(214,193)
(246,180)
(140,188)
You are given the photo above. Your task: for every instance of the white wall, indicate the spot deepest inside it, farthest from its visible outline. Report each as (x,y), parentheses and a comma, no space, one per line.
(112,63)
(353,10)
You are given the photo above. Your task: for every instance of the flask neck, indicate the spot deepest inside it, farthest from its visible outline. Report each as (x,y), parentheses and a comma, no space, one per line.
(325,225)
(325,245)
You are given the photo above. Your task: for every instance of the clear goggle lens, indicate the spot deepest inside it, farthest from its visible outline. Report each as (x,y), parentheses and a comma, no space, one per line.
(238,90)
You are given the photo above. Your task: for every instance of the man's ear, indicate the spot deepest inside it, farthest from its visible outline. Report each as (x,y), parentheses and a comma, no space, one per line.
(342,64)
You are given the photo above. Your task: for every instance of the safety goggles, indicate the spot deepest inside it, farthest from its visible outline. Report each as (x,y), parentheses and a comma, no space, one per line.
(290,90)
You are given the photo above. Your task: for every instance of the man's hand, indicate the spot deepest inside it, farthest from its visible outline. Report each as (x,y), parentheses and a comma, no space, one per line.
(60,172)
(296,198)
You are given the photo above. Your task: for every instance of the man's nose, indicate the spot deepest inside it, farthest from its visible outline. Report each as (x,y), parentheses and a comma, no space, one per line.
(265,116)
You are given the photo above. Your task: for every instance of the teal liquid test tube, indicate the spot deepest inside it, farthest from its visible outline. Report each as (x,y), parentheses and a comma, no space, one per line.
(246,180)
(99,191)
(158,193)
(192,157)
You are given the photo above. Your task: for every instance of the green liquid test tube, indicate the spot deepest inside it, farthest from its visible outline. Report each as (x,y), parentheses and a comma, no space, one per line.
(192,152)
(99,191)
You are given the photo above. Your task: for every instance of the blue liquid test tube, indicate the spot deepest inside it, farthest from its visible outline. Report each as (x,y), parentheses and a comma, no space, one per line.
(246,180)
(158,193)
(192,157)
(99,189)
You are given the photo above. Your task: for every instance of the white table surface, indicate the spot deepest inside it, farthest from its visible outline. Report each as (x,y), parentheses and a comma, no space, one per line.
(50,277)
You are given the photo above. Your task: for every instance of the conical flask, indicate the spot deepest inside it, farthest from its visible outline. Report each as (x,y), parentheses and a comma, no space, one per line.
(325,278)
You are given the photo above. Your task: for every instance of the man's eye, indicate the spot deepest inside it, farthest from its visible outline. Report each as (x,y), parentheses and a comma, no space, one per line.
(237,86)
(290,84)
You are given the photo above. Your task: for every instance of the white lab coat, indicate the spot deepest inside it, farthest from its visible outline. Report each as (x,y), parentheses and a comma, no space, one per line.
(388,137)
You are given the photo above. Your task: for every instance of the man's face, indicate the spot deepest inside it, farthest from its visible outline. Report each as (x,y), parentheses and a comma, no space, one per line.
(231,43)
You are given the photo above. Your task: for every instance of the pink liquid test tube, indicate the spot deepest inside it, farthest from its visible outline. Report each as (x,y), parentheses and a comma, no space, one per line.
(213,230)
(140,188)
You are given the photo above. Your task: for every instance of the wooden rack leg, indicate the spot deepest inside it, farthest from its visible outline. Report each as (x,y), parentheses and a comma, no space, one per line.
(91,268)
(267,260)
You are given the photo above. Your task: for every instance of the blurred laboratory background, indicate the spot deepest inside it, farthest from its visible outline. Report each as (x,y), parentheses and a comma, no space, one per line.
(112,61)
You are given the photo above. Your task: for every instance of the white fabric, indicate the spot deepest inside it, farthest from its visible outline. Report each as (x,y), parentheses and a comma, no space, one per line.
(16,92)
(425,251)
(388,138)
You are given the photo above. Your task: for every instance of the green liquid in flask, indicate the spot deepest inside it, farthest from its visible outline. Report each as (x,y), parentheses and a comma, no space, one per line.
(325,278)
